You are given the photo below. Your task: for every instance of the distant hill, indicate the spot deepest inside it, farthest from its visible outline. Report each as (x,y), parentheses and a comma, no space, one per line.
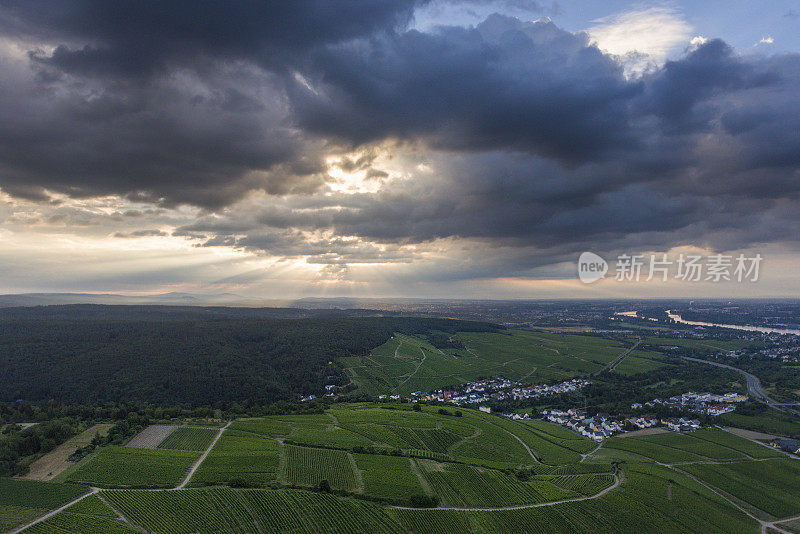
(174,299)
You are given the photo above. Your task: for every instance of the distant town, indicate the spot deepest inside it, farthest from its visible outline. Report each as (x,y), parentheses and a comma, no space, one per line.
(496,389)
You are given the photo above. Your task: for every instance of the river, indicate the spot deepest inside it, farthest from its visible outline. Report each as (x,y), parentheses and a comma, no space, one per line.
(765,329)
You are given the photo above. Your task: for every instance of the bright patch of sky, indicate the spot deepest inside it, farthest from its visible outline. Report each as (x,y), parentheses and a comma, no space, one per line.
(771,28)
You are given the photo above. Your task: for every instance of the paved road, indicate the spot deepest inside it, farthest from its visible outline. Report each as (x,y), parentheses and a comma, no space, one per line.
(753,387)
(618,359)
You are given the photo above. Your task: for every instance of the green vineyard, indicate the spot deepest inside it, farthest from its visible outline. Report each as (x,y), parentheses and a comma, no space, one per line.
(308,467)
(189,439)
(391,469)
(131,467)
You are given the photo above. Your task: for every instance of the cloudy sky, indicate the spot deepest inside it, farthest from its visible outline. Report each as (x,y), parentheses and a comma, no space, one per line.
(416,148)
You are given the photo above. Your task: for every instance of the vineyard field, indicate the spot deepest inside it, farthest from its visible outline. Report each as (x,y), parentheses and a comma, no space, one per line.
(189,439)
(389,477)
(91,505)
(392,469)
(655,451)
(772,485)
(248,511)
(464,486)
(67,523)
(133,467)
(308,467)
(22,501)
(241,456)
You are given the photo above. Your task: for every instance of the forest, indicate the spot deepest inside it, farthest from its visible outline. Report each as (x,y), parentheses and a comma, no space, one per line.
(186,357)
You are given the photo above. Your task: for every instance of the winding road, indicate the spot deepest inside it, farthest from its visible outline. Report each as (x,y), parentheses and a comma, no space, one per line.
(753,386)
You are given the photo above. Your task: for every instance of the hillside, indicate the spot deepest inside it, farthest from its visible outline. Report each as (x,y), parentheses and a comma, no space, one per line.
(388,468)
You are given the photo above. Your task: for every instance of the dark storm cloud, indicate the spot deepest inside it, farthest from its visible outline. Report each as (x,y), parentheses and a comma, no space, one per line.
(536,139)
(172,102)
(140,233)
(136,38)
(523,86)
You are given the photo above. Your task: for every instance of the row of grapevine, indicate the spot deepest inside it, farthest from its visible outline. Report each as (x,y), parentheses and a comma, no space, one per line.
(66,523)
(239,456)
(306,466)
(115,466)
(178,512)
(584,484)
(688,443)
(464,486)
(189,439)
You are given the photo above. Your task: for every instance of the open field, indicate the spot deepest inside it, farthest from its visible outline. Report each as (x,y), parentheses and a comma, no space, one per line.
(640,361)
(643,432)
(703,345)
(55,461)
(750,434)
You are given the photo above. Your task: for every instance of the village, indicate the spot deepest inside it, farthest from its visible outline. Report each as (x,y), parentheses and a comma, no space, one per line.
(603,425)
(786,353)
(497,389)
(702,403)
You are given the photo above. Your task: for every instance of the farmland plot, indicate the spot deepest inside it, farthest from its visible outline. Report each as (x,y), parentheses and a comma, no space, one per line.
(308,467)
(732,441)
(131,467)
(643,505)
(390,477)
(688,443)
(151,437)
(57,461)
(22,501)
(241,456)
(189,439)
(216,510)
(772,485)
(64,523)
(462,485)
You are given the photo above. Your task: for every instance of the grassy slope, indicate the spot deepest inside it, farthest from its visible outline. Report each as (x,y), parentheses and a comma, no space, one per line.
(397,366)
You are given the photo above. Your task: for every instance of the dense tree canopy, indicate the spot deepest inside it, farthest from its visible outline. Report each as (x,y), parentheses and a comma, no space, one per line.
(192,357)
